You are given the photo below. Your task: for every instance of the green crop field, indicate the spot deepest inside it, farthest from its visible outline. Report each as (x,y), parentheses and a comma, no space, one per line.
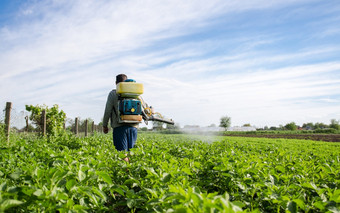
(169,173)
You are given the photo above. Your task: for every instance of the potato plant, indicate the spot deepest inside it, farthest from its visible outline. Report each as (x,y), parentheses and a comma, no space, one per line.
(169,173)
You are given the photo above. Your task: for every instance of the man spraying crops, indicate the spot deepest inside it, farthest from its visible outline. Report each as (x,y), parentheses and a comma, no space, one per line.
(126,109)
(124,134)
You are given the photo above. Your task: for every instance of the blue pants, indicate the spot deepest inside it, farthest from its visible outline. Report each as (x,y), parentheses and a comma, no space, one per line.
(124,137)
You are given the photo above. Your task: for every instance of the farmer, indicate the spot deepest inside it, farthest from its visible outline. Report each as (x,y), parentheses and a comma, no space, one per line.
(124,135)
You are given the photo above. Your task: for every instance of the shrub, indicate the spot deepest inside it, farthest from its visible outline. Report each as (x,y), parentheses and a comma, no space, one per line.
(55,118)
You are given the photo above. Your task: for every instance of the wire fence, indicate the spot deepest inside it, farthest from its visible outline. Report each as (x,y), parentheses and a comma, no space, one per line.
(18,118)
(14,120)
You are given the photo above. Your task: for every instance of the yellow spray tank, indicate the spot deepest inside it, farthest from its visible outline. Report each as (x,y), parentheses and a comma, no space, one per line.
(129,105)
(129,89)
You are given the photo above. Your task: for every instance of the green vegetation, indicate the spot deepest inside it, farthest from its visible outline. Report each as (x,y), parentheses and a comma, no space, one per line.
(283,132)
(225,122)
(2,132)
(169,173)
(291,126)
(335,124)
(81,124)
(55,118)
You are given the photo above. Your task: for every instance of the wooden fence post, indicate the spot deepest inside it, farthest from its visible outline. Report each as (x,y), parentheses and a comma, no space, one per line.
(26,118)
(8,119)
(76,126)
(43,122)
(86,127)
(92,128)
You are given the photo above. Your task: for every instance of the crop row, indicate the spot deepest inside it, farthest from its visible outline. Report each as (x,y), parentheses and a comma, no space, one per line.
(169,173)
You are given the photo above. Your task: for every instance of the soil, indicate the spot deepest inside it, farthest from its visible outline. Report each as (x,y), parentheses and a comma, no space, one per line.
(314,137)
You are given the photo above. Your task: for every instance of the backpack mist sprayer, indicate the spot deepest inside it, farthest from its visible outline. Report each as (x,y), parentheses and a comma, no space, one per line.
(131,106)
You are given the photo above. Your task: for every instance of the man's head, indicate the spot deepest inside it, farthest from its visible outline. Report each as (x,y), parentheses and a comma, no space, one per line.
(120,78)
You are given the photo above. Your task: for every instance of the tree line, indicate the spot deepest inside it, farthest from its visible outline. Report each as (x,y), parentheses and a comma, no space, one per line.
(334,124)
(225,122)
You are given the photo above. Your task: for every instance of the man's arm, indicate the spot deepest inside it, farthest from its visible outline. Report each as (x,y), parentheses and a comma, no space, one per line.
(108,112)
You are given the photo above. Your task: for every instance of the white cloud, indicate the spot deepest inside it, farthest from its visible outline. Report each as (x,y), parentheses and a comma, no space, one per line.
(68,52)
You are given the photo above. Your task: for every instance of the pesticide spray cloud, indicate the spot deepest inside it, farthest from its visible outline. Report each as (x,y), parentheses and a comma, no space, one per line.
(204,134)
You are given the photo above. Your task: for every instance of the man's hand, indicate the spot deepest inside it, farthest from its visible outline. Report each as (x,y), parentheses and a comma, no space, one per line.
(105,129)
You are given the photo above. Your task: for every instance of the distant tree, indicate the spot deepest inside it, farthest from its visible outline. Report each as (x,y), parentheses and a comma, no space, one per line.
(273,128)
(55,118)
(245,125)
(170,126)
(156,125)
(69,124)
(308,125)
(320,126)
(144,129)
(334,124)
(29,128)
(99,126)
(82,123)
(212,125)
(291,126)
(225,122)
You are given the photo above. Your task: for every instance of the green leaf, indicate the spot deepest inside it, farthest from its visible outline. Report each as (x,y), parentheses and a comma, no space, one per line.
(131,203)
(70,184)
(39,172)
(27,190)
(152,171)
(236,208)
(105,176)
(100,193)
(239,204)
(3,186)
(13,189)
(92,197)
(70,203)
(196,198)
(333,209)
(336,196)
(62,196)
(119,190)
(319,205)
(38,192)
(81,175)
(273,179)
(166,177)
(292,207)
(280,168)
(132,182)
(310,185)
(15,175)
(152,192)
(79,208)
(9,204)
(300,203)
(180,210)
(187,170)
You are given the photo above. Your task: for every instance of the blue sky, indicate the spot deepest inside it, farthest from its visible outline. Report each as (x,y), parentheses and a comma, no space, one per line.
(260,62)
